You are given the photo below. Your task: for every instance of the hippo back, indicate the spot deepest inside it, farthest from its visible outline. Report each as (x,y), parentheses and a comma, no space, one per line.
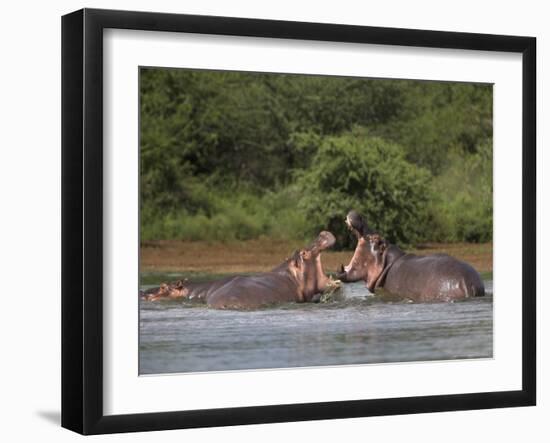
(254,291)
(437,277)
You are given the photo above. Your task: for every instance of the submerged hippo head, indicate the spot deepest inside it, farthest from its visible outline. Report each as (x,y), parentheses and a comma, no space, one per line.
(168,291)
(305,265)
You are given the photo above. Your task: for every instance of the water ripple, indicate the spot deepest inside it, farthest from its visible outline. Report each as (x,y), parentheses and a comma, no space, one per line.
(361,328)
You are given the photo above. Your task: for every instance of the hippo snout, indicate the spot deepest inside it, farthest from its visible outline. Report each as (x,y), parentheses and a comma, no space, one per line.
(326,239)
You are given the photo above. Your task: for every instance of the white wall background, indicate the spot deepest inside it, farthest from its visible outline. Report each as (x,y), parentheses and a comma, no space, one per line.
(30,93)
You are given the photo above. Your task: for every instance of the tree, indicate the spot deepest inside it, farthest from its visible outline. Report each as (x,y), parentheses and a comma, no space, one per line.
(365,173)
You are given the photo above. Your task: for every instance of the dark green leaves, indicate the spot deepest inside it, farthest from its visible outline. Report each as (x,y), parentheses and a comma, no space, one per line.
(240,155)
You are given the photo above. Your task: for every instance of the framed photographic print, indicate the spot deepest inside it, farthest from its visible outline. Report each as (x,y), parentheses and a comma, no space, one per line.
(269,221)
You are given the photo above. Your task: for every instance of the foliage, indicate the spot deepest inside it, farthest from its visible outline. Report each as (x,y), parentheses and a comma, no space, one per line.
(463,205)
(229,156)
(230,216)
(370,175)
(438,119)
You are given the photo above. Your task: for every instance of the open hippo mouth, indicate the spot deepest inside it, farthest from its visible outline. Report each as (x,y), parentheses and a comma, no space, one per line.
(308,268)
(323,241)
(357,224)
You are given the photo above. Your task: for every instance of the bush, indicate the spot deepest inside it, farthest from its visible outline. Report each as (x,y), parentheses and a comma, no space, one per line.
(462,209)
(228,216)
(368,174)
(231,155)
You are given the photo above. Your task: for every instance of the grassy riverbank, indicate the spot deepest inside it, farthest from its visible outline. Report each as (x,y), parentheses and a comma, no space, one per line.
(263,254)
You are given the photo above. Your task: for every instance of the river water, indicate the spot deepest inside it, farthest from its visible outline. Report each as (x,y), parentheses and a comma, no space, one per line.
(358,328)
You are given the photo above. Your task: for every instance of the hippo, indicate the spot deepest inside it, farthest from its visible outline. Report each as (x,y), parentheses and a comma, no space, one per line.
(300,278)
(430,278)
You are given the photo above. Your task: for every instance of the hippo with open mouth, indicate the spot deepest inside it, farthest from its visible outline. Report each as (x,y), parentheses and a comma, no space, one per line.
(299,278)
(431,278)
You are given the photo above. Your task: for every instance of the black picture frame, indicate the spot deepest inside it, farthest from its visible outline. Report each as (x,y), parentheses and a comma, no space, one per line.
(82,218)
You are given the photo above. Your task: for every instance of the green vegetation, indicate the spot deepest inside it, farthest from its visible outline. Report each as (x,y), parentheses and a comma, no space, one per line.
(368,174)
(227,155)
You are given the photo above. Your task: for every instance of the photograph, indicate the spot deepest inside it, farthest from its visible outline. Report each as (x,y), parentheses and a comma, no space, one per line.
(296,219)
(300,221)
